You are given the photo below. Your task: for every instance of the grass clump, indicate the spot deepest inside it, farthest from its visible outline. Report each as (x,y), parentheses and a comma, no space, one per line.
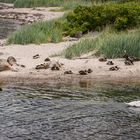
(111,45)
(83,47)
(7,1)
(40,32)
(67,4)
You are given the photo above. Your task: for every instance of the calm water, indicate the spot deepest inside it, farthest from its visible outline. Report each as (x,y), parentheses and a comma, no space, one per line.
(69,112)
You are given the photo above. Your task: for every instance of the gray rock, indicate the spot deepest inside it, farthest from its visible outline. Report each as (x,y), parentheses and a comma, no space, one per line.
(11,60)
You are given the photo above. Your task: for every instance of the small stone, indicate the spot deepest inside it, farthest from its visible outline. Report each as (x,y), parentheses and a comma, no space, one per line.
(78,34)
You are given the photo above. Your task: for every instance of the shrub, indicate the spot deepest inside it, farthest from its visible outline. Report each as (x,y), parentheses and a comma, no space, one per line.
(119,16)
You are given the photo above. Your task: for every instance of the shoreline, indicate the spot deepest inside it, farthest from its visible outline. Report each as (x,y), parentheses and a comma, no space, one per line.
(100,70)
(59,77)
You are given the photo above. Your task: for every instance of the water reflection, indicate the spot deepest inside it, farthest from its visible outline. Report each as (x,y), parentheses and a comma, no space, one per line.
(69,112)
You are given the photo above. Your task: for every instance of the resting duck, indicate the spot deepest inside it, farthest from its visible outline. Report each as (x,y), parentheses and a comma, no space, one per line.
(134,104)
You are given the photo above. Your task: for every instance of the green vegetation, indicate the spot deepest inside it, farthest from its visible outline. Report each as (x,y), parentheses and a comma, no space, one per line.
(119,16)
(111,45)
(66,4)
(41,32)
(7,1)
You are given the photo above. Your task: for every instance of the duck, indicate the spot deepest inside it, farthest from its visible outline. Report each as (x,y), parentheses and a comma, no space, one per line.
(110,63)
(68,72)
(128,62)
(115,68)
(103,59)
(83,72)
(134,103)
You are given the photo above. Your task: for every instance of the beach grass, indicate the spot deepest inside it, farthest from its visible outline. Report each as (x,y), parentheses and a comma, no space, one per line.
(111,45)
(40,32)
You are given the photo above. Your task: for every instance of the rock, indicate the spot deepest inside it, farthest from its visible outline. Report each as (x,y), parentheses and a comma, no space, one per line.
(134,104)
(115,68)
(70,39)
(36,56)
(47,59)
(103,59)
(78,34)
(0,89)
(42,66)
(11,60)
(68,72)
(110,63)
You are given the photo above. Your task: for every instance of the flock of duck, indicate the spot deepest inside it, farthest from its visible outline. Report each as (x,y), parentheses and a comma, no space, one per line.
(55,66)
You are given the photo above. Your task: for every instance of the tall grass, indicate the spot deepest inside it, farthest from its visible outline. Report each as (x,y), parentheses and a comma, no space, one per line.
(111,45)
(40,32)
(115,44)
(7,1)
(77,49)
(67,4)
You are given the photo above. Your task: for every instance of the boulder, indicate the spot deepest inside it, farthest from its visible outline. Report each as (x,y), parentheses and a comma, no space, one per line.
(11,60)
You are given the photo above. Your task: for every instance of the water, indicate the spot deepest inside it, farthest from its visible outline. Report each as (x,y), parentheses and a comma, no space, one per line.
(69,112)
(7,26)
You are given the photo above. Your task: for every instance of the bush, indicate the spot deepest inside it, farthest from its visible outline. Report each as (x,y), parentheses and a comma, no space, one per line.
(119,16)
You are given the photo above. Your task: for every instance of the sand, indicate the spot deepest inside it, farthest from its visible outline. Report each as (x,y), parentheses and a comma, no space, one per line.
(24,55)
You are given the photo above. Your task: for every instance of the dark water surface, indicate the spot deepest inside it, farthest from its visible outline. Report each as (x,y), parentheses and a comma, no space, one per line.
(69,112)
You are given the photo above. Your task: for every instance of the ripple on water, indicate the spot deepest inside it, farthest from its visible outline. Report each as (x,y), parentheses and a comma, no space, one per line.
(68,112)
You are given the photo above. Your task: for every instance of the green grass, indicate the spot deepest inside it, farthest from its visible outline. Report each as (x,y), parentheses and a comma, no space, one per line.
(7,1)
(83,47)
(66,4)
(40,32)
(111,45)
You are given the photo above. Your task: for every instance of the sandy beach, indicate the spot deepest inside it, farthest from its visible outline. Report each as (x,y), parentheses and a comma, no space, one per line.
(24,55)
